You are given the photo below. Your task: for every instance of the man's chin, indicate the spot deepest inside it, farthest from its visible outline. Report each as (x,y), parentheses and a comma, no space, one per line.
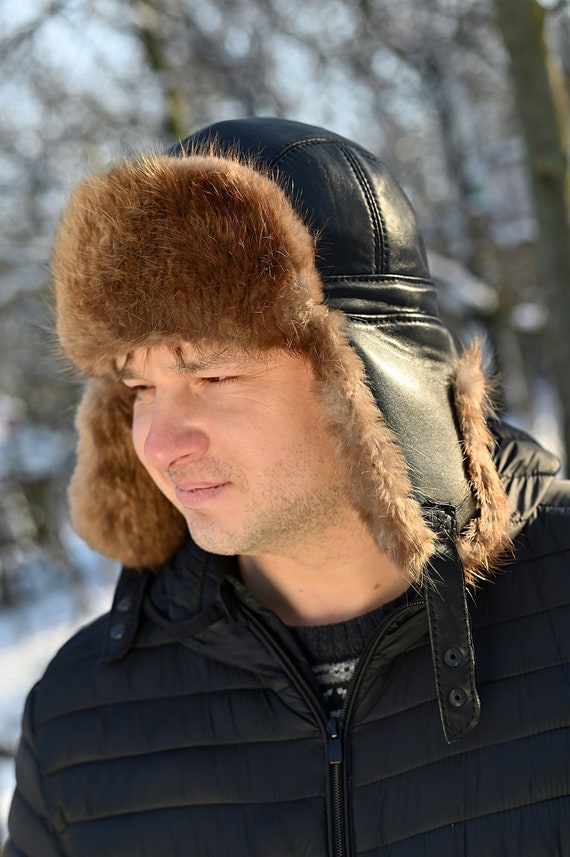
(214,543)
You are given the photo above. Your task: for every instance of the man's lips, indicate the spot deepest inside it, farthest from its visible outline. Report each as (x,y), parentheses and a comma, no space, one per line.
(193,494)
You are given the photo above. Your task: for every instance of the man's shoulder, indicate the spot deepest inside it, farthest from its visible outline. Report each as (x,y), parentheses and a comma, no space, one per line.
(534,577)
(77,668)
(73,662)
(131,638)
(557,498)
(547,532)
(83,646)
(67,682)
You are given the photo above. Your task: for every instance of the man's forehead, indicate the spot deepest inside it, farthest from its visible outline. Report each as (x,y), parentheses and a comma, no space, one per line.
(188,358)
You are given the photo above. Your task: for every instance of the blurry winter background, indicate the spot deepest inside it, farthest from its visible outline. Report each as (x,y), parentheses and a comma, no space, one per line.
(466,100)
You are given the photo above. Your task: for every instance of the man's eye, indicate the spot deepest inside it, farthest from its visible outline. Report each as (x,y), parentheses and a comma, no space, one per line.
(220,379)
(142,391)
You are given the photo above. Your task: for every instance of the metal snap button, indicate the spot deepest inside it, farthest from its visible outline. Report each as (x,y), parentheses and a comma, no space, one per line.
(125,604)
(118,631)
(457,697)
(453,657)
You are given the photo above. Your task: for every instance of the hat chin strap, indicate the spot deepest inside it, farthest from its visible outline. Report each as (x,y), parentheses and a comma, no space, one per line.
(452,650)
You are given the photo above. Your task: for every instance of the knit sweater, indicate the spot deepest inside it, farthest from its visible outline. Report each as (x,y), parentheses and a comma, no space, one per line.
(334,650)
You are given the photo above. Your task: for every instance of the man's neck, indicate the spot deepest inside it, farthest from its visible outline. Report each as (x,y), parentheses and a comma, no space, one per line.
(343,576)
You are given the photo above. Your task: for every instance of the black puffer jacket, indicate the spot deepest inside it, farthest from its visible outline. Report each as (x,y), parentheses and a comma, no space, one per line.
(185,723)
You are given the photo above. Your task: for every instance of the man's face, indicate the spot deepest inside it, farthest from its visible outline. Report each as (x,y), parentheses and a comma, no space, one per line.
(239,444)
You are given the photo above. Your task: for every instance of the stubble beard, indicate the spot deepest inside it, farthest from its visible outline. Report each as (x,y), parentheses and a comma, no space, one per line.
(287,525)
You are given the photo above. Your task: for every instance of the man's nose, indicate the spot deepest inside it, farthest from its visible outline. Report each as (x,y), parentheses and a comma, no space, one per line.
(174,436)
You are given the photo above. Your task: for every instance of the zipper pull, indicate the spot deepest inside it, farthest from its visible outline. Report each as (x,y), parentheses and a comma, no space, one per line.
(335,741)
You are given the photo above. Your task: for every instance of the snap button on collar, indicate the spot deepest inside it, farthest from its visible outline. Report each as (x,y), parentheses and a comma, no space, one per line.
(457,697)
(123,619)
(453,656)
(118,631)
(125,604)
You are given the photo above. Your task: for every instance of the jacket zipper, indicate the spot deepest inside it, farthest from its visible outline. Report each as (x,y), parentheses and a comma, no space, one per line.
(344,720)
(335,757)
(367,651)
(334,726)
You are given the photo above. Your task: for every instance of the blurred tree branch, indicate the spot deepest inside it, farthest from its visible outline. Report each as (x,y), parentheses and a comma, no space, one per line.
(177,110)
(542,105)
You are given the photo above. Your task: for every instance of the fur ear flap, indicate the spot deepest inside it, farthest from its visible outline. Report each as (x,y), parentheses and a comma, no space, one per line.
(381,487)
(485,538)
(115,505)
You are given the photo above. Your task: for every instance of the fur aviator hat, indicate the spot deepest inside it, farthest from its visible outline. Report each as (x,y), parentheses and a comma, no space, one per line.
(264,233)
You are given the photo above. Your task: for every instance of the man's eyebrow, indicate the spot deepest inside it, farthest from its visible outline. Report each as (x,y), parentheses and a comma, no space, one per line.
(203,363)
(183,365)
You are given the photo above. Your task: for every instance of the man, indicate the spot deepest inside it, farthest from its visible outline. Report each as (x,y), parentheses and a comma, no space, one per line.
(319,528)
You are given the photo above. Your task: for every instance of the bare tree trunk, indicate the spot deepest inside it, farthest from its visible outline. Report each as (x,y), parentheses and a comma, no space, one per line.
(542,107)
(176,114)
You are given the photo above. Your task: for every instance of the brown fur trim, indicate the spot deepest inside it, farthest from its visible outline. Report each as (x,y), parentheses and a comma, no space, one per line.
(485,538)
(115,505)
(191,249)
